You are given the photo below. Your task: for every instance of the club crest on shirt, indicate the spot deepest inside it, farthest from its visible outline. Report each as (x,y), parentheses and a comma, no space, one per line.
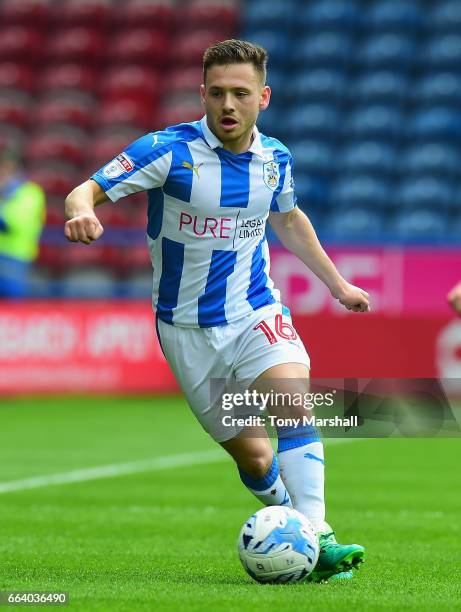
(271,173)
(118,166)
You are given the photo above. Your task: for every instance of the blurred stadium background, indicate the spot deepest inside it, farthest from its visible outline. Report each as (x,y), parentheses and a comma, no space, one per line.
(367,94)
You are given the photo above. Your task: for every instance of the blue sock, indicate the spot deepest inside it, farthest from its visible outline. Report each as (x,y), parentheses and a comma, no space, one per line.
(269,489)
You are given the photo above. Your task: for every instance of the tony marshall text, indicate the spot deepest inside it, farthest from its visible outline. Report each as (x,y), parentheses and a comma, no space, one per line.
(274,421)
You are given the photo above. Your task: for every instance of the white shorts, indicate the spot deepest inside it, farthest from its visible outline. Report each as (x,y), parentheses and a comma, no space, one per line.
(239,351)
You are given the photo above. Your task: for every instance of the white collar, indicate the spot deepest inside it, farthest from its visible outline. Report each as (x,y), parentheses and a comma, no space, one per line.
(214,142)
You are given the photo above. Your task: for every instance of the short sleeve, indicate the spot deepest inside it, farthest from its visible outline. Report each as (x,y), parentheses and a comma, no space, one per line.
(285,200)
(143,165)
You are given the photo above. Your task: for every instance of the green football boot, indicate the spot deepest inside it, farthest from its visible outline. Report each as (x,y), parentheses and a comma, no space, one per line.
(342,576)
(336,559)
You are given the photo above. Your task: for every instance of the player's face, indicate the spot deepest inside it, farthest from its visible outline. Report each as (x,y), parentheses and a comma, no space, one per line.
(233,96)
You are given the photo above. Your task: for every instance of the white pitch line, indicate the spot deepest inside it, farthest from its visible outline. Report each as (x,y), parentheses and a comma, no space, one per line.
(121,469)
(114,470)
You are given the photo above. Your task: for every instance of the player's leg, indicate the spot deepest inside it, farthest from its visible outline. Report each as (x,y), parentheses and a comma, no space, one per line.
(269,361)
(201,369)
(302,465)
(300,449)
(258,466)
(273,357)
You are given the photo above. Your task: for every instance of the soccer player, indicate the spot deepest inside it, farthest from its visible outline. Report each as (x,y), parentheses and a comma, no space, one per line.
(454,298)
(211,186)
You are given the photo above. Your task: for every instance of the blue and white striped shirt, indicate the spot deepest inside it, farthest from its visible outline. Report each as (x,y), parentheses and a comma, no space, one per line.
(207,212)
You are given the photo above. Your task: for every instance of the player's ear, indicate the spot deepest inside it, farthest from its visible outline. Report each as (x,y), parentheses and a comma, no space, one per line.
(265,97)
(202,93)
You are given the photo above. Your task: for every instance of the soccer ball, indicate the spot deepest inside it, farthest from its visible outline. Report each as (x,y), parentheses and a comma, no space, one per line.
(278,544)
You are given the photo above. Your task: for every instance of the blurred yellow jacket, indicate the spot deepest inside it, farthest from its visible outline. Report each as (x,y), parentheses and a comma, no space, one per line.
(23,214)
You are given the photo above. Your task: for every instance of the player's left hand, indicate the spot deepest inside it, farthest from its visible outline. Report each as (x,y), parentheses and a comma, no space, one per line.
(353,298)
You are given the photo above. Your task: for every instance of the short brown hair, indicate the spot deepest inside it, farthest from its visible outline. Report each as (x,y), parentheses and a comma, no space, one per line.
(236,52)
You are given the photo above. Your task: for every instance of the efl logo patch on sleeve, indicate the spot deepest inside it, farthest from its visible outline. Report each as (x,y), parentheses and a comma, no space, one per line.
(118,166)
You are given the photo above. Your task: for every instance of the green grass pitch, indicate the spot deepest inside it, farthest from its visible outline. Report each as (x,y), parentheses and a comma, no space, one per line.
(166,539)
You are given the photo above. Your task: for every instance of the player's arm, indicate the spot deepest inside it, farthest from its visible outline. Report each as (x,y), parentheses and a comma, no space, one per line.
(143,165)
(296,233)
(82,224)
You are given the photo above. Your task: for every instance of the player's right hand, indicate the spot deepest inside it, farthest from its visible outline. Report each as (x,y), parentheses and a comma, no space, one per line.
(83,228)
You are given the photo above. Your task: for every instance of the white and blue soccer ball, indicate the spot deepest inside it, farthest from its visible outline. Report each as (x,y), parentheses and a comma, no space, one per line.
(278,544)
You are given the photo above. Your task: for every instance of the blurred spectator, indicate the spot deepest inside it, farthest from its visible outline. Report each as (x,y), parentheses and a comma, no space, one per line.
(22,215)
(454,298)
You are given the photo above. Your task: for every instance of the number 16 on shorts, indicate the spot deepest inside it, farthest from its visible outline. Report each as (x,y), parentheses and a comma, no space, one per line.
(282,329)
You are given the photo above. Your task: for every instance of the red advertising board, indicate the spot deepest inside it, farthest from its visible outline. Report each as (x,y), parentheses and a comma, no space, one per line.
(80,346)
(380,346)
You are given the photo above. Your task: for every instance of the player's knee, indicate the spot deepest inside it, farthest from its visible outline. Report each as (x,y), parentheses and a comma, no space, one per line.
(256,465)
